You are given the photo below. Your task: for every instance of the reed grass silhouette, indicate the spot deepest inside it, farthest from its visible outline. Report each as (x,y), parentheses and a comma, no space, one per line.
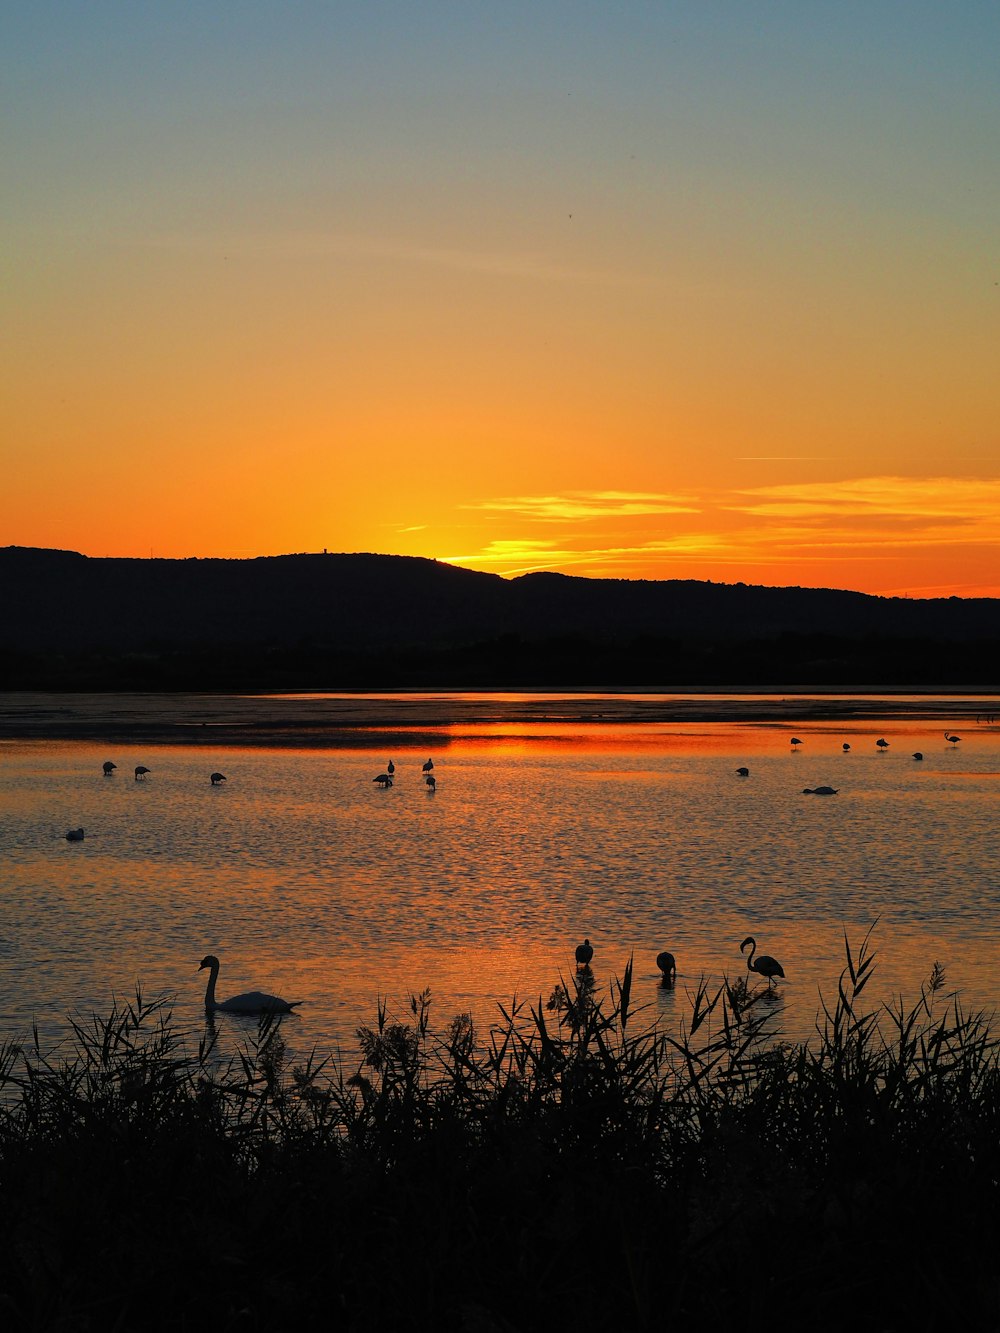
(573,1160)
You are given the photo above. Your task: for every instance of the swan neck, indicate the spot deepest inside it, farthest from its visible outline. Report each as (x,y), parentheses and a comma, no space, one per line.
(210,988)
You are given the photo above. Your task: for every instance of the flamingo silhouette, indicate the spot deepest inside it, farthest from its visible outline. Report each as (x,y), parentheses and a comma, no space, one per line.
(882,743)
(428,766)
(141,771)
(217,778)
(743,772)
(765,966)
(918,754)
(109,768)
(954,739)
(431,782)
(383,780)
(584,953)
(666,963)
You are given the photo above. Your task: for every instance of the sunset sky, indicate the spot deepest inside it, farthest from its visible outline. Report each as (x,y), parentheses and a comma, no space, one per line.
(639,290)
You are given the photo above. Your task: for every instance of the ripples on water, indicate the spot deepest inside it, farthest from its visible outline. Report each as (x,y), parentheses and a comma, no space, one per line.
(309,881)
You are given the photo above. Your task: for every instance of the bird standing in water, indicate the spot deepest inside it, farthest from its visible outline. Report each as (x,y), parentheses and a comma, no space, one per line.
(765,966)
(667,965)
(584,953)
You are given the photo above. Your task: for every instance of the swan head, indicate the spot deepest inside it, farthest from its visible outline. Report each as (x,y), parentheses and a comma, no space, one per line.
(209,960)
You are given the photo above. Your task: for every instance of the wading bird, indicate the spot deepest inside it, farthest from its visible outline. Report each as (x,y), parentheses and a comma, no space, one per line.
(217,778)
(845,747)
(954,739)
(109,768)
(250,1002)
(140,771)
(584,953)
(765,966)
(882,743)
(820,791)
(743,772)
(74,835)
(918,754)
(665,962)
(390,768)
(383,780)
(431,781)
(795,741)
(428,766)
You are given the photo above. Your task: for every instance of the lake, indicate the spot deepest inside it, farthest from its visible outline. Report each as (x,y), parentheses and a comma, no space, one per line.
(549,823)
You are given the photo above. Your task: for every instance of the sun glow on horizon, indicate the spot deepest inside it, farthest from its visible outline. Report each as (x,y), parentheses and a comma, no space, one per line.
(653,293)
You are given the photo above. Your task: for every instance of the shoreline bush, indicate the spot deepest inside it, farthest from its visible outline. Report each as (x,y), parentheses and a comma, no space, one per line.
(573,1163)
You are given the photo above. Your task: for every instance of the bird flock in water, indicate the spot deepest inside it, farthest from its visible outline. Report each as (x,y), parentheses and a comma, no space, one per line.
(259,1002)
(881,745)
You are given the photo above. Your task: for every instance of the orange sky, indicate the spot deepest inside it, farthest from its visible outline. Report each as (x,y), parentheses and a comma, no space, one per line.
(650,292)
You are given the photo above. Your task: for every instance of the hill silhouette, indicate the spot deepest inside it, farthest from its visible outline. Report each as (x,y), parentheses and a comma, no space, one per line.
(329,621)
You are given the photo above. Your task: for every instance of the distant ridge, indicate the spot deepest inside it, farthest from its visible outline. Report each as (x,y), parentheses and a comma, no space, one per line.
(66,616)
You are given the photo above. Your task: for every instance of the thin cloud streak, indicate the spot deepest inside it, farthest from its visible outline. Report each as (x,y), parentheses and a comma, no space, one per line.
(298,244)
(867,520)
(575,505)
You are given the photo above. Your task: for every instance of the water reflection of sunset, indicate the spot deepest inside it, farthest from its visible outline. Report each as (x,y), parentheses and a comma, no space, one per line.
(308,880)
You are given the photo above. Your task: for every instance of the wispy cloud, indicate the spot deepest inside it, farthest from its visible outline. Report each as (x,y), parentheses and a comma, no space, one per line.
(576,505)
(393,249)
(896,512)
(786,529)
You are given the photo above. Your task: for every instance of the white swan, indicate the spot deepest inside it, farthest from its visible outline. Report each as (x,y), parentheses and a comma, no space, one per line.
(250,1002)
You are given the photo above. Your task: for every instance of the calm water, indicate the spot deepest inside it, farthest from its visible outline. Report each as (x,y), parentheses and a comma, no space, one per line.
(309,881)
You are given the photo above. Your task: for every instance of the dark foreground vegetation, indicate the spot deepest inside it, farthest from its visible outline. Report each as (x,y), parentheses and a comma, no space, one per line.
(573,1167)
